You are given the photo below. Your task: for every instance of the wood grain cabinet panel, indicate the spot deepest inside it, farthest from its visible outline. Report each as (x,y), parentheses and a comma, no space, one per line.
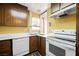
(2,16)
(33,43)
(13,14)
(58,6)
(63,5)
(5,48)
(43,46)
(77,29)
(55,7)
(38,43)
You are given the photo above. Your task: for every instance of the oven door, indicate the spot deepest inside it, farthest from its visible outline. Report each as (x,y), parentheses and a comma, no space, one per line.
(55,48)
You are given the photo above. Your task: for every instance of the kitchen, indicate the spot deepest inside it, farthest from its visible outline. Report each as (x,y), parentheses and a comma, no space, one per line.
(38,29)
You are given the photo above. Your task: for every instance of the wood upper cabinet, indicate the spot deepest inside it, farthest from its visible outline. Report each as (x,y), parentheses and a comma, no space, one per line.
(54,7)
(58,6)
(12,14)
(2,15)
(63,5)
(5,48)
(33,43)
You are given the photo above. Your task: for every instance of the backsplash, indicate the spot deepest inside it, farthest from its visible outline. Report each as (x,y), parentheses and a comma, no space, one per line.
(4,30)
(67,22)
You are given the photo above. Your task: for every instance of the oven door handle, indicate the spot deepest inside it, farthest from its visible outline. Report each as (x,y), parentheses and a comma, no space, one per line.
(63,41)
(61,44)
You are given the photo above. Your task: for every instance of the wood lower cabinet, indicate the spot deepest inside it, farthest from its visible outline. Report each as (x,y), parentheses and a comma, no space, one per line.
(5,48)
(42,46)
(77,29)
(38,43)
(33,43)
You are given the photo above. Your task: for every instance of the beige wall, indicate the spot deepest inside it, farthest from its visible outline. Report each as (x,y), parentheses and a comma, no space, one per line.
(67,22)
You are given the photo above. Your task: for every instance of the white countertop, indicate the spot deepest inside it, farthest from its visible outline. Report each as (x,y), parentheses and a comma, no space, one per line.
(12,36)
(18,35)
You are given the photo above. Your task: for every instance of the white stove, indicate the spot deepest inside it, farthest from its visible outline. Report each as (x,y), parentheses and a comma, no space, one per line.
(62,43)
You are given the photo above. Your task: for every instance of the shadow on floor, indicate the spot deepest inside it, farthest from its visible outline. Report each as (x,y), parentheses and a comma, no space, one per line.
(34,54)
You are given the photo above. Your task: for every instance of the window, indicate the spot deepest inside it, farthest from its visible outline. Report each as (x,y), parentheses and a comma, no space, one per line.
(35,24)
(35,21)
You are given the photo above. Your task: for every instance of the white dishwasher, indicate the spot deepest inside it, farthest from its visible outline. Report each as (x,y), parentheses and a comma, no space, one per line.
(20,46)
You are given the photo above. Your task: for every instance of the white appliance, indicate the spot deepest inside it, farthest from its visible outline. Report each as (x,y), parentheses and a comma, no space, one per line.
(62,43)
(20,46)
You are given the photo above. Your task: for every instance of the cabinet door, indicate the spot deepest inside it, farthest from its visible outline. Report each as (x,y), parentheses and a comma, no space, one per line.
(63,5)
(20,46)
(2,16)
(14,15)
(55,7)
(5,48)
(33,43)
(77,37)
(38,41)
(42,46)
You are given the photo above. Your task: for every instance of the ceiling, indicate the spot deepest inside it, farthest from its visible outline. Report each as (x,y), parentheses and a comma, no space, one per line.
(36,7)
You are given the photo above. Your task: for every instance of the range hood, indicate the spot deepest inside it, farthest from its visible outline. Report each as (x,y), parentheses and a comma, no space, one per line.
(64,12)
